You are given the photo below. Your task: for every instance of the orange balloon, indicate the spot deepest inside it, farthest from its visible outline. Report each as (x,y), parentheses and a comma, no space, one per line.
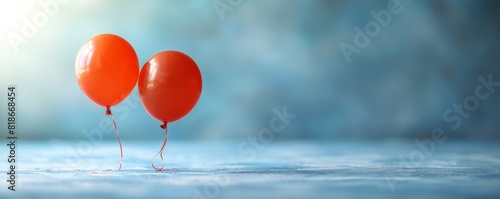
(107,69)
(169,85)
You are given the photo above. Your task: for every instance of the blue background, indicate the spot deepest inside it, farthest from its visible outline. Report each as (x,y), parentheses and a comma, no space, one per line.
(264,55)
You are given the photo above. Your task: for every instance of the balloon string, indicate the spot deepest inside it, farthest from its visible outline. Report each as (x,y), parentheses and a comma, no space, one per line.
(119,142)
(164,126)
(108,113)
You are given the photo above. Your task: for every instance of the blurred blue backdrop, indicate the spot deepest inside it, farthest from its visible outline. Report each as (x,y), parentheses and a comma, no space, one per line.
(262,55)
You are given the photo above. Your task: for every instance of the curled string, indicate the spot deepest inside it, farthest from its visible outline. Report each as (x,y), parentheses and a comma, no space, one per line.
(163,126)
(108,113)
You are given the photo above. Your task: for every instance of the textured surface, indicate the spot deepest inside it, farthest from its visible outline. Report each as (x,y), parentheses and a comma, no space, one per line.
(285,170)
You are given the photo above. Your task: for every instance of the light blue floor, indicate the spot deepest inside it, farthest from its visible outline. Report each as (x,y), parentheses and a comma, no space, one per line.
(278,170)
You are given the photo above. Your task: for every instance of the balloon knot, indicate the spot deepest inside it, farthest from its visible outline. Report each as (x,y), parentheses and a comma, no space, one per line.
(164,125)
(108,111)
